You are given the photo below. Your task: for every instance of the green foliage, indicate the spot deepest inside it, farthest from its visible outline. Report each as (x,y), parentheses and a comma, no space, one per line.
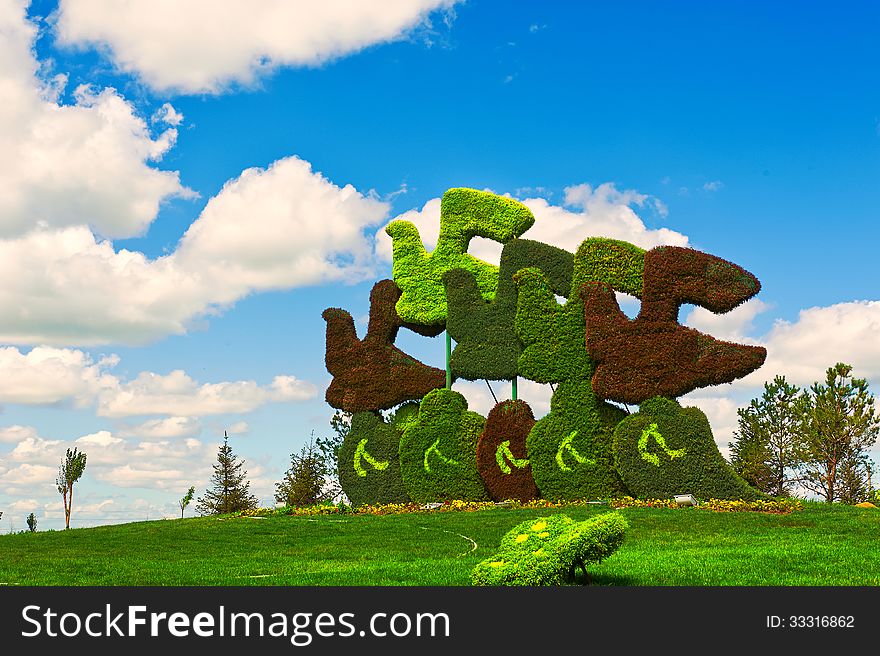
(769,440)
(230,491)
(464,214)
(369,461)
(546,550)
(487,344)
(187,498)
(70,471)
(613,262)
(664,450)
(32,523)
(570,449)
(841,424)
(304,483)
(438,460)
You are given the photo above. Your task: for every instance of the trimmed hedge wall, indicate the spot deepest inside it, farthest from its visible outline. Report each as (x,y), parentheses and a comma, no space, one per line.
(487,344)
(464,214)
(546,550)
(369,462)
(501,452)
(653,355)
(373,374)
(664,450)
(438,450)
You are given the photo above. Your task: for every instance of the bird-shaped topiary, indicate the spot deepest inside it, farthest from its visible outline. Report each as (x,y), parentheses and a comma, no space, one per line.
(570,449)
(654,355)
(464,214)
(373,374)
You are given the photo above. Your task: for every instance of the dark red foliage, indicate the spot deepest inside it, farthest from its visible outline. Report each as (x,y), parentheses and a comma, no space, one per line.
(510,422)
(373,374)
(653,355)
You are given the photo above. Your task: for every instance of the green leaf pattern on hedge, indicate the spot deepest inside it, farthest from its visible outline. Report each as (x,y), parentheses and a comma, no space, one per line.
(438,450)
(700,470)
(487,345)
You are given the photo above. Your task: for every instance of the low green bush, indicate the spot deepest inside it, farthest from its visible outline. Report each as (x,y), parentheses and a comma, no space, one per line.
(547,550)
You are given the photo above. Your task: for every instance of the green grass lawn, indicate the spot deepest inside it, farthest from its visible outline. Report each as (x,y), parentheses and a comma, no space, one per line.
(820,545)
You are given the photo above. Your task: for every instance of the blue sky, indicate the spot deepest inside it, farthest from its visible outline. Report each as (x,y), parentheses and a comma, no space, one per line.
(172,215)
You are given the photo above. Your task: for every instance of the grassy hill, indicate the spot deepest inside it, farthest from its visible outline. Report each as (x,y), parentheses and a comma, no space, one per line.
(819,545)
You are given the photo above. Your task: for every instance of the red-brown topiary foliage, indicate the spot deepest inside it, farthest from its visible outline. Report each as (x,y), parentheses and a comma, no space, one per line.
(373,374)
(501,452)
(653,355)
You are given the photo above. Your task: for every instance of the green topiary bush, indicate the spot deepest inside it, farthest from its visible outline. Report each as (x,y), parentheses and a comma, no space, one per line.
(464,214)
(369,460)
(438,450)
(487,345)
(570,449)
(501,452)
(546,551)
(664,450)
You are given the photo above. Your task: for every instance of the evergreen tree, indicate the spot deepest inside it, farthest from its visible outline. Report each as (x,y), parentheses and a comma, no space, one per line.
(841,425)
(230,489)
(304,483)
(32,523)
(769,441)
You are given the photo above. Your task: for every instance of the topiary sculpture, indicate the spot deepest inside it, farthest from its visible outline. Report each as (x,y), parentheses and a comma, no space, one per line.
(373,374)
(664,450)
(501,452)
(570,449)
(438,450)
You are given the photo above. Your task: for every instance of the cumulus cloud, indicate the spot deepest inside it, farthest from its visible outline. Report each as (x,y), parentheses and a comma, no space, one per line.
(280,227)
(164,428)
(301,229)
(208,45)
(603,211)
(177,394)
(16,434)
(47,375)
(70,164)
(732,326)
(820,337)
(714,185)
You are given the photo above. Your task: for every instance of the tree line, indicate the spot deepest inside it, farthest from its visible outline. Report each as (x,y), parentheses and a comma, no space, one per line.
(815,439)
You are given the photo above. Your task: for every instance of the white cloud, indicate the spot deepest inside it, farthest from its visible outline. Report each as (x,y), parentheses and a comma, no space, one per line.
(732,326)
(167,114)
(66,287)
(820,337)
(65,165)
(238,428)
(49,375)
(16,434)
(164,428)
(601,212)
(301,229)
(714,185)
(177,394)
(205,45)
(101,439)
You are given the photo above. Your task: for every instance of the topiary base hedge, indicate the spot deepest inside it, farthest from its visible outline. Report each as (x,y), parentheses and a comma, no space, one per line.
(664,450)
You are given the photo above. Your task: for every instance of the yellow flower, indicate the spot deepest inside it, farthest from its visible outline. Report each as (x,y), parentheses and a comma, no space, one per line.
(539,526)
(522,537)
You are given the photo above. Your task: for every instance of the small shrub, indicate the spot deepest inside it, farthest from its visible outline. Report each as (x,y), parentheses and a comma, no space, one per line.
(546,550)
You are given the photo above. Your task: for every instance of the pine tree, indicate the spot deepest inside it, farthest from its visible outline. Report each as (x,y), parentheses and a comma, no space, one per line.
(769,441)
(304,483)
(230,491)
(842,425)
